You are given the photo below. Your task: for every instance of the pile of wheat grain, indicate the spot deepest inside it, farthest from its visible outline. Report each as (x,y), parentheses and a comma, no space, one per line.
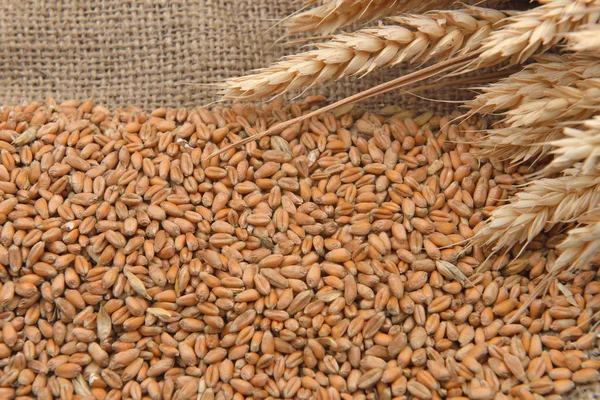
(327,262)
(549,108)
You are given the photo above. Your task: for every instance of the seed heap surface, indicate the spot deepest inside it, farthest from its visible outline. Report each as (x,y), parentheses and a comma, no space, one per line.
(328,262)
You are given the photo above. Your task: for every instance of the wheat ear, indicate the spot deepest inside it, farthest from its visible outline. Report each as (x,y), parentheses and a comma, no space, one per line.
(582,244)
(336,14)
(532,81)
(562,103)
(436,35)
(580,248)
(542,204)
(536,30)
(532,127)
(540,100)
(520,145)
(579,145)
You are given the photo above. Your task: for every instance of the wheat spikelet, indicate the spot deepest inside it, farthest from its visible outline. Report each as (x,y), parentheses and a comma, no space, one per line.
(586,38)
(579,145)
(435,35)
(582,244)
(335,14)
(536,30)
(541,205)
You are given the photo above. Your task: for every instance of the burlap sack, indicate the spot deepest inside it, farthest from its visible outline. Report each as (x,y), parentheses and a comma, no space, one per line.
(148,53)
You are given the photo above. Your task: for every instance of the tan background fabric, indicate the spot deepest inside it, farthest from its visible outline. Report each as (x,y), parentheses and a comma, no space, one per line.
(148,53)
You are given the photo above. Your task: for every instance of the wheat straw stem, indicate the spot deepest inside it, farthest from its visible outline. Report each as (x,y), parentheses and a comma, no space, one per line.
(414,77)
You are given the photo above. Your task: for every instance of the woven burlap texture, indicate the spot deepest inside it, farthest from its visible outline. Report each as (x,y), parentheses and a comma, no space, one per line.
(143,53)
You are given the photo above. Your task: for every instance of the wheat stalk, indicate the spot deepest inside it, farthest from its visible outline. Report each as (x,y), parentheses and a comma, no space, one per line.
(394,84)
(542,204)
(417,38)
(579,145)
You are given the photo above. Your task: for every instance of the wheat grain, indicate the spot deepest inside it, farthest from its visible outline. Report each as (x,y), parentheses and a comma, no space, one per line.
(417,38)
(542,204)
(314,264)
